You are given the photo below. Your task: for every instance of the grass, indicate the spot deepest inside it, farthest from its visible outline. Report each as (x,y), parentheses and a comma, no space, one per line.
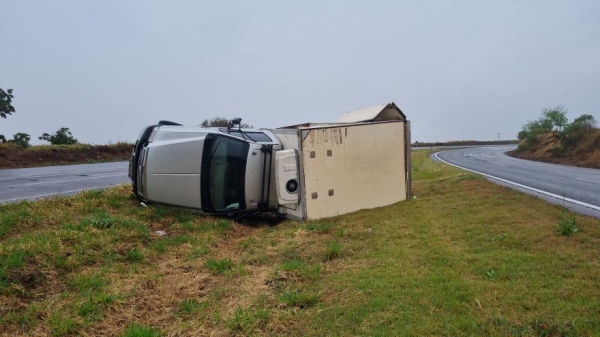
(219,266)
(465,258)
(190,307)
(136,330)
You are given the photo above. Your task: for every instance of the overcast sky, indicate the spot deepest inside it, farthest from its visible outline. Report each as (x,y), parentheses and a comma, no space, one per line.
(458,69)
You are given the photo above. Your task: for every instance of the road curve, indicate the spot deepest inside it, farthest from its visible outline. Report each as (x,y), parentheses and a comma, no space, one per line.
(574,187)
(43,182)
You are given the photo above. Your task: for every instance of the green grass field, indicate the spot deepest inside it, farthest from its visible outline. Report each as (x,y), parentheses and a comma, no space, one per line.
(465,258)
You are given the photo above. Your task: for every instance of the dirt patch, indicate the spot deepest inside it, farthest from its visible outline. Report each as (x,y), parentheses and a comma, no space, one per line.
(548,149)
(12,156)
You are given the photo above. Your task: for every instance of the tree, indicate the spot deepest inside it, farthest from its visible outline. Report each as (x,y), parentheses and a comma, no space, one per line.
(531,129)
(62,137)
(585,122)
(21,139)
(551,119)
(581,127)
(6,107)
(557,116)
(221,122)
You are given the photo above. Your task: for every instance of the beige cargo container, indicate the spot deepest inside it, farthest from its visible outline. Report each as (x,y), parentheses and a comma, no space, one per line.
(361,161)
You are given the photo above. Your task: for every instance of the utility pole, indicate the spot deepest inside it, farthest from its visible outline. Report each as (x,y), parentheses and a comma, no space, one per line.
(498,136)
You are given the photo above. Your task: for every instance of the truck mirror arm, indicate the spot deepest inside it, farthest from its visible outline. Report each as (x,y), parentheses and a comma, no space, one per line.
(238,121)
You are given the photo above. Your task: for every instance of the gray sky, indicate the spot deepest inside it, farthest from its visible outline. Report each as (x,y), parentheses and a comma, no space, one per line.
(458,69)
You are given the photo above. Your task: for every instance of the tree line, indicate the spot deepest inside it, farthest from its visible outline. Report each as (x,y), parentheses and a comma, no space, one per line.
(62,136)
(554,120)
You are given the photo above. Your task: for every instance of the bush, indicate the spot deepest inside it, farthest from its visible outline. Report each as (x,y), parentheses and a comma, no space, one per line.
(21,140)
(61,137)
(554,120)
(222,122)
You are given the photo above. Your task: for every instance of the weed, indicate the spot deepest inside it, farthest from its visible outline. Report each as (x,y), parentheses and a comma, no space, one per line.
(299,299)
(25,319)
(14,259)
(198,252)
(163,243)
(114,201)
(292,265)
(299,268)
(310,272)
(246,320)
(219,226)
(567,224)
(160,212)
(61,325)
(322,227)
(13,269)
(87,283)
(136,255)
(333,251)
(490,275)
(184,216)
(544,328)
(89,310)
(9,220)
(495,238)
(102,221)
(94,193)
(219,266)
(190,306)
(138,230)
(137,330)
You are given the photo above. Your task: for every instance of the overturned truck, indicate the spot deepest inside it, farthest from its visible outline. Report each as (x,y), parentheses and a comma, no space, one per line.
(303,172)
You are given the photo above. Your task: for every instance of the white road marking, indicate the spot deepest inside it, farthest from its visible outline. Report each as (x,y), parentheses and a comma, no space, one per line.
(65,181)
(591,181)
(62,173)
(573,201)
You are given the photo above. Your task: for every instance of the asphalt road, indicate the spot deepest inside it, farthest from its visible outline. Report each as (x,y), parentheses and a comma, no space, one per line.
(576,188)
(42,182)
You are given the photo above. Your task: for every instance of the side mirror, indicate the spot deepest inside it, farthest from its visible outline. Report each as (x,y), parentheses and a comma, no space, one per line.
(236,121)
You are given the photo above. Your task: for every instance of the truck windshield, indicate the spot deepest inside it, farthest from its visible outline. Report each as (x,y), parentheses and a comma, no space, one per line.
(223,174)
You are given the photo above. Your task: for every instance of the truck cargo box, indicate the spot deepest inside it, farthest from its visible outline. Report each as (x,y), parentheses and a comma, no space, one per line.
(345,167)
